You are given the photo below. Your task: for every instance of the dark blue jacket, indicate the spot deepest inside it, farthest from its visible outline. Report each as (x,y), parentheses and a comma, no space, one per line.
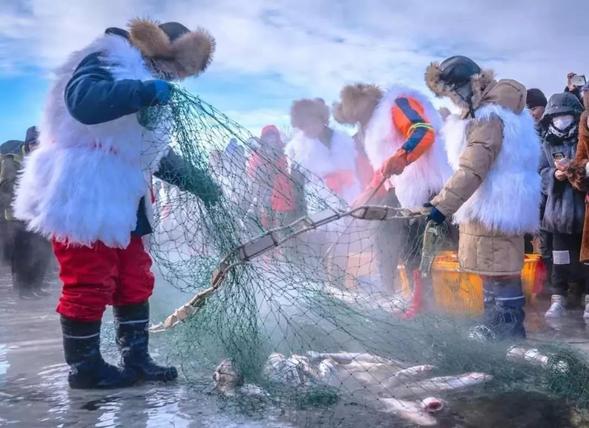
(93,96)
(564,209)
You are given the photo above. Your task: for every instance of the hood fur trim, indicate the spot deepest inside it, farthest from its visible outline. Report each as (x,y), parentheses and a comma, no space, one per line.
(188,55)
(479,82)
(357,103)
(304,109)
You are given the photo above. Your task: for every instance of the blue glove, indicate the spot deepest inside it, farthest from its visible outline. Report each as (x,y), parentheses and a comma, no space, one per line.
(435,215)
(161,92)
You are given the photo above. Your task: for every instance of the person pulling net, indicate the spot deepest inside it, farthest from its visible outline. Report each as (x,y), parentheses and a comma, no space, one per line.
(276,323)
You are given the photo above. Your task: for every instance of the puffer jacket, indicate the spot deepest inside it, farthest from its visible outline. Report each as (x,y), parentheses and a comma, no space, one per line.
(564,210)
(483,249)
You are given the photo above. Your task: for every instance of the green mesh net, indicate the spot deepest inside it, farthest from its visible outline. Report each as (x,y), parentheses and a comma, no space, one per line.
(295,299)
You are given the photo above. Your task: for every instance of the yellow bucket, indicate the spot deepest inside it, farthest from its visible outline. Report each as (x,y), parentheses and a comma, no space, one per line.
(462,292)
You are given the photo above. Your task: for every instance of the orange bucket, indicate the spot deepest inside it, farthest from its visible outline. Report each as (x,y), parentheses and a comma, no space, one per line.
(462,292)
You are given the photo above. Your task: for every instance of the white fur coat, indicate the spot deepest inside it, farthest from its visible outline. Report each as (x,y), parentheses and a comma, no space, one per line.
(84,182)
(508,200)
(426,176)
(321,161)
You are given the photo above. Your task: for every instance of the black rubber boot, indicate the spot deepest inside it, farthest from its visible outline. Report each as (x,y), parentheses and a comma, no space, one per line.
(133,340)
(81,345)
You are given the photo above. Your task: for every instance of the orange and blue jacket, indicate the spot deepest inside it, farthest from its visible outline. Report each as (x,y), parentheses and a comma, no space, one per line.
(408,116)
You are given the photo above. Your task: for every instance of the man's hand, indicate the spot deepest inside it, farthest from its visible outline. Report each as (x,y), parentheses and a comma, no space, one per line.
(560,175)
(433,214)
(395,165)
(162,91)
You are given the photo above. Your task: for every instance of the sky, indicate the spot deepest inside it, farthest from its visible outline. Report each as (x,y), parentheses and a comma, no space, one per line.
(270,53)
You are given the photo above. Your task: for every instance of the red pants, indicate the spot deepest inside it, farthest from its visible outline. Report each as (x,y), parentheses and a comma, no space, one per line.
(97,276)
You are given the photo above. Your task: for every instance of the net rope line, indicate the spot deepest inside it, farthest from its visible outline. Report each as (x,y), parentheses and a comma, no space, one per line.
(260,245)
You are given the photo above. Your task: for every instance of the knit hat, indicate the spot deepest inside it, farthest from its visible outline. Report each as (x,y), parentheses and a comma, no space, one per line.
(536,98)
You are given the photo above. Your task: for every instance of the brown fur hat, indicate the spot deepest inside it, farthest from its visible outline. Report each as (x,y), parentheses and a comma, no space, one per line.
(357,103)
(479,82)
(173,50)
(302,110)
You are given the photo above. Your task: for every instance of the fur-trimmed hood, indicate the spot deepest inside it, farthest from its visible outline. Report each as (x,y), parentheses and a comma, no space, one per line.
(171,49)
(357,103)
(302,110)
(486,90)
(479,83)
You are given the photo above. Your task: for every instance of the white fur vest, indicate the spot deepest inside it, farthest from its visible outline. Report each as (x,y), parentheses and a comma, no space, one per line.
(426,176)
(322,161)
(508,200)
(84,182)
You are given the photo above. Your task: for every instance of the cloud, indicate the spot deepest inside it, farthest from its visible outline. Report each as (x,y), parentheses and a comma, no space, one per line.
(316,46)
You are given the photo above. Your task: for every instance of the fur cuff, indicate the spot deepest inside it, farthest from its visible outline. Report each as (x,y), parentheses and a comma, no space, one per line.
(188,55)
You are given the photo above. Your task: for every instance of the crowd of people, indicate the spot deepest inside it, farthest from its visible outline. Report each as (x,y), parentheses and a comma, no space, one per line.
(509,163)
(404,153)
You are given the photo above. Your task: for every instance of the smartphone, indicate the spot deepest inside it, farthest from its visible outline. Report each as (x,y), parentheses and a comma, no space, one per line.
(579,80)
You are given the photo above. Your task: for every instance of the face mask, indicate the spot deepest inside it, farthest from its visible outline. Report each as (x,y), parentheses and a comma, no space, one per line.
(563,122)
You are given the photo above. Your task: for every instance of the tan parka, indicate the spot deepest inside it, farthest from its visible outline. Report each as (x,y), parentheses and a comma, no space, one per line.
(482,250)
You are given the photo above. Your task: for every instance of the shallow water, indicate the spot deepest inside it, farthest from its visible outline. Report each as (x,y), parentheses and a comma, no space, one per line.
(34,392)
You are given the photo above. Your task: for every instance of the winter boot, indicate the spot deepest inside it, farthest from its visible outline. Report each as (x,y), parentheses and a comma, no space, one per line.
(586,313)
(504,316)
(81,345)
(557,307)
(133,341)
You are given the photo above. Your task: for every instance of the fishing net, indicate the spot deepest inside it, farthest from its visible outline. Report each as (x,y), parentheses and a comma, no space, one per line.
(300,295)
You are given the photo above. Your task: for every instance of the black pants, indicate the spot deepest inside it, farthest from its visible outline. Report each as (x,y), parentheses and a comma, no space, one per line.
(566,267)
(27,254)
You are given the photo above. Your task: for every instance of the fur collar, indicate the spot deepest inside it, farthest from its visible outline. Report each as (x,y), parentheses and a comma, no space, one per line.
(188,55)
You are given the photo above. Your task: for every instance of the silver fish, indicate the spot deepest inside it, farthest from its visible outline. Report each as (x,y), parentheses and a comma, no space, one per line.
(441,384)
(387,385)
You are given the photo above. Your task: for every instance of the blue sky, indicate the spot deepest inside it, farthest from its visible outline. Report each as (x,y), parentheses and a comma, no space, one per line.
(272,52)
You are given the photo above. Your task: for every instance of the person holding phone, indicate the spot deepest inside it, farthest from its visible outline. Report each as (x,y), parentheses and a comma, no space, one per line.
(564,212)
(574,84)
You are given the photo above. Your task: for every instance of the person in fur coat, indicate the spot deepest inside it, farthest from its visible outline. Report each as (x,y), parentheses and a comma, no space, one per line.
(578,175)
(87,188)
(400,130)
(494,193)
(327,153)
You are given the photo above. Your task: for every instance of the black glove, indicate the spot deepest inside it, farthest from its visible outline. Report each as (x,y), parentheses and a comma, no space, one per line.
(434,214)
